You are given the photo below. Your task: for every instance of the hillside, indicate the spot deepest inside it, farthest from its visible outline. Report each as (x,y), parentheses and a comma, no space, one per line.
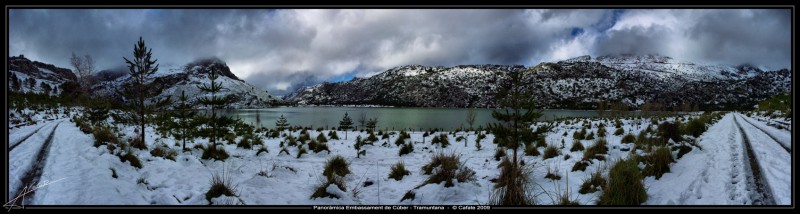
(578,83)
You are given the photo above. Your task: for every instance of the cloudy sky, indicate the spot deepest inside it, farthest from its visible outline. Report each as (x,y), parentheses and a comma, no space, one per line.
(279,50)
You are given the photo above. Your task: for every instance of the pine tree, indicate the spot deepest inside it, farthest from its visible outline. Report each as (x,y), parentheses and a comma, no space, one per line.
(216,126)
(372,123)
(140,88)
(346,124)
(281,123)
(513,131)
(15,84)
(46,88)
(185,125)
(98,111)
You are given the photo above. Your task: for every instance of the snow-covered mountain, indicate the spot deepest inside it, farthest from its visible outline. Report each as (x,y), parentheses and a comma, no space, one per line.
(36,77)
(25,75)
(577,83)
(187,78)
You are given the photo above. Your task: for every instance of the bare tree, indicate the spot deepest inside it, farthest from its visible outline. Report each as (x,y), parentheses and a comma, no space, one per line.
(84,68)
(362,119)
(471,117)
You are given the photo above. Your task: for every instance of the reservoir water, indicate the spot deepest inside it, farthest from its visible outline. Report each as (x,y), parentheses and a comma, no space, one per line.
(388,118)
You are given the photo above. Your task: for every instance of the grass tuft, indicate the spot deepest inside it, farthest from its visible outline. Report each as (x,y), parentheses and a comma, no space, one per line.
(220,185)
(131,158)
(406,149)
(446,167)
(398,171)
(576,146)
(657,163)
(550,152)
(625,186)
(513,186)
(595,151)
(595,182)
(336,165)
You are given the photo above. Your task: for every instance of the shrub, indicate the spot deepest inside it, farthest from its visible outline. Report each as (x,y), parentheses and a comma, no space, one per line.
(164,152)
(598,148)
(274,134)
(619,132)
(601,132)
(284,150)
(529,151)
(231,138)
(596,181)
(245,143)
(550,152)
(657,163)
(541,142)
(218,154)
(336,165)
(321,138)
(319,147)
(371,138)
(321,191)
(682,150)
(83,125)
(500,152)
(590,136)
(580,165)
(103,135)
(695,127)
(138,143)
(628,138)
(301,152)
(668,131)
(577,135)
(552,176)
(441,139)
(406,148)
(332,134)
(398,171)
(625,185)
(130,157)
(576,146)
(513,185)
(445,168)
(304,137)
(220,185)
(400,141)
(335,170)
(410,195)
(262,149)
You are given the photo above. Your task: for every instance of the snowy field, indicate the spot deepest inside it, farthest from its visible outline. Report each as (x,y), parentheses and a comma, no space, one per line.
(81,174)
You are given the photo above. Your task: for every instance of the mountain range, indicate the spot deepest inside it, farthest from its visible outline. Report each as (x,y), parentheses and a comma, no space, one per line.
(175,79)
(577,83)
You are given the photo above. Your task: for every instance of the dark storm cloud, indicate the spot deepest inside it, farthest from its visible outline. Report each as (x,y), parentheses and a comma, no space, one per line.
(729,36)
(279,50)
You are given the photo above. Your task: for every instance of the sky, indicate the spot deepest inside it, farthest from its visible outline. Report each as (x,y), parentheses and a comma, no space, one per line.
(281,50)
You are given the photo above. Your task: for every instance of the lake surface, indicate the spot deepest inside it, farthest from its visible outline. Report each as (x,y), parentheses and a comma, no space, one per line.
(388,118)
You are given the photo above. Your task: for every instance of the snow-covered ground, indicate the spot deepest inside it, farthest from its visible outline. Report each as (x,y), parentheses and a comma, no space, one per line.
(82,174)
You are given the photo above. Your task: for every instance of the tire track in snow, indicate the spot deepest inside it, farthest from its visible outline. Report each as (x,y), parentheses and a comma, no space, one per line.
(33,174)
(14,145)
(768,134)
(756,180)
(735,185)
